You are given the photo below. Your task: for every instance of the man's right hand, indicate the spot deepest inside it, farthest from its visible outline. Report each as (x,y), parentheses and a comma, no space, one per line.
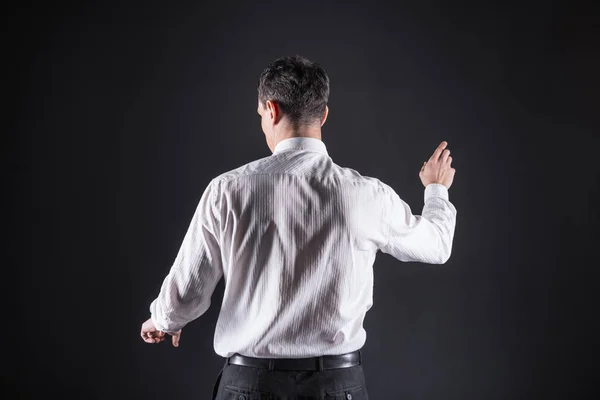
(437,169)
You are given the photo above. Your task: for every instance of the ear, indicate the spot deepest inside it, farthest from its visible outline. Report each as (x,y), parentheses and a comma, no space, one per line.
(273,110)
(325,114)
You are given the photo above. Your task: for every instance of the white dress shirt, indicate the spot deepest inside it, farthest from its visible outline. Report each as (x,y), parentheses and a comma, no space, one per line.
(295,236)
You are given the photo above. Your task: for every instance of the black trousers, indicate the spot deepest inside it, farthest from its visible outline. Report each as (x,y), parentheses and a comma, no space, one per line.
(248,383)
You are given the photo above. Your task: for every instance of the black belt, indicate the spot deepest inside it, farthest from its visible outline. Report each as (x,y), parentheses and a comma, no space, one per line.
(299,364)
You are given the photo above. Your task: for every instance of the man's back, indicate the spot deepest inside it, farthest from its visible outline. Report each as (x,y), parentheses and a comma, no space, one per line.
(298,236)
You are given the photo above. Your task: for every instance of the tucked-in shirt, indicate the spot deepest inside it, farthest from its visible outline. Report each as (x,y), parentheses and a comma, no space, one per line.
(295,237)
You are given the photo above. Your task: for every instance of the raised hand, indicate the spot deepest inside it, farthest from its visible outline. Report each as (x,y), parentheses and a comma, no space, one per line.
(437,169)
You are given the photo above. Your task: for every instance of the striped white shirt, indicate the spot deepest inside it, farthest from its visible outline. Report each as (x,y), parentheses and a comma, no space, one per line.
(295,237)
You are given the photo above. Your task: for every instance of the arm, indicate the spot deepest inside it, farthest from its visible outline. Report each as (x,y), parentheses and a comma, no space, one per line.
(425,238)
(186,291)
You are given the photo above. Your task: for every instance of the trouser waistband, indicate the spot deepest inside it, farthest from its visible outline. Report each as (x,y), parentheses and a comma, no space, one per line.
(320,363)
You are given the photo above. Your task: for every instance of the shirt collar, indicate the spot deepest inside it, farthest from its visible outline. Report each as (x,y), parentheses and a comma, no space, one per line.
(301,143)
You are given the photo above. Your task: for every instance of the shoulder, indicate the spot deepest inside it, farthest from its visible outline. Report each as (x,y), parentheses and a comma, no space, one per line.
(354,176)
(253,167)
(222,181)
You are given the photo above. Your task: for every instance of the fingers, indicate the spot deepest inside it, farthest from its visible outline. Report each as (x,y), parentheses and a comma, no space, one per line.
(438,151)
(445,156)
(159,336)
(442,154)
(152,339)
(146,336)
(150,334)
(176,337)
(153,336)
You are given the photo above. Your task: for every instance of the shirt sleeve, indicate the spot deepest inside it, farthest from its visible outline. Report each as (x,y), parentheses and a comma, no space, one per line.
(186,292)
(425,238)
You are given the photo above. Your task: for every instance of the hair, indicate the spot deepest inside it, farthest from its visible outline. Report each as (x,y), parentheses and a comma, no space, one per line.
(299,86)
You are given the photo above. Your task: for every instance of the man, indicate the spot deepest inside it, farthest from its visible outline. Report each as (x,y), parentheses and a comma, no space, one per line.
(295,236)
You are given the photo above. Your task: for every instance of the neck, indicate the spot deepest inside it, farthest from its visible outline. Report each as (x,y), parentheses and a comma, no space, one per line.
(312,131)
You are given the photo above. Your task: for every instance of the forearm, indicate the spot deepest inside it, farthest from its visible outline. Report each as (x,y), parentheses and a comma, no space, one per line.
(186,291)
(180,301)
(441,213)
(162,319)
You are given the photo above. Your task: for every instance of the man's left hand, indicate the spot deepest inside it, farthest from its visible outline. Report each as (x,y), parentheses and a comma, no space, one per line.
(152,335)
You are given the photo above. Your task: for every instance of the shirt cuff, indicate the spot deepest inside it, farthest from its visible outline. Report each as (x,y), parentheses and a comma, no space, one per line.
(153,317)
(436,190)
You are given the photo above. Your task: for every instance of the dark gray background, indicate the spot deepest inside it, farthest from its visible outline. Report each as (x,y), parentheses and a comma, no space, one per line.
(124,112)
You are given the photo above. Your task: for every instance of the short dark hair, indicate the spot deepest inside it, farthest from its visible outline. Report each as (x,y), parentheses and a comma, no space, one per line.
(299,86)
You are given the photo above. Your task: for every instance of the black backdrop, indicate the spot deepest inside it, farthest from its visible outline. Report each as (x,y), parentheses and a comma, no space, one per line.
(124,112)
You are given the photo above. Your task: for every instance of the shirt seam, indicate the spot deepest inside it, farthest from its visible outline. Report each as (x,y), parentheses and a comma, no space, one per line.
(226,179)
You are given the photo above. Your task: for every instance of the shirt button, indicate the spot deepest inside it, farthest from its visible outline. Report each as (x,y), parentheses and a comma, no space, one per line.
(349,396)
(242,397)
